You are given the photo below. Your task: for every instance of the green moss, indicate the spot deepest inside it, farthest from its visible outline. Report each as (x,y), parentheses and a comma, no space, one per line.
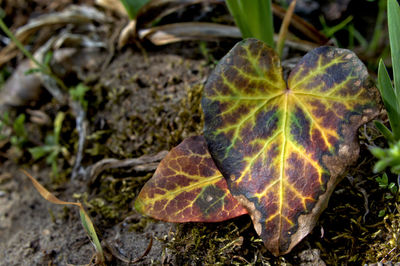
(113,200)
(386,240)
(231,242)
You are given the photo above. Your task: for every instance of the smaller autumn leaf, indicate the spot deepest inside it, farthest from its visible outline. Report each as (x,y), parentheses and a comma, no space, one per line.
(283,146)
(187,187)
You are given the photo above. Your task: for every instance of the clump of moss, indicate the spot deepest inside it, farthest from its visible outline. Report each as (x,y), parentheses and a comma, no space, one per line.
(386,245)
(113,197)
(150,109)
(231,242)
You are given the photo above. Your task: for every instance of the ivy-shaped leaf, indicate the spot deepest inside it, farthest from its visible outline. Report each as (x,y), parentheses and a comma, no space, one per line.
(187,187)
(283,147)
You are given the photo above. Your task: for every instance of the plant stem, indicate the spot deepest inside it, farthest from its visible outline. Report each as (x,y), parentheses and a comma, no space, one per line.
(45,69)
(4,27)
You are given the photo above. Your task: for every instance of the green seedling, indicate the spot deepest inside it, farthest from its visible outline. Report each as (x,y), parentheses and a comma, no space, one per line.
(19,137)
(52,149)
(384,184)
(78,94)
(272,148)
(390,157)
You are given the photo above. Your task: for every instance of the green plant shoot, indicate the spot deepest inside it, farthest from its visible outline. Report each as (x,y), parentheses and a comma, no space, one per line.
(390,94)
(254,19)
(52,148)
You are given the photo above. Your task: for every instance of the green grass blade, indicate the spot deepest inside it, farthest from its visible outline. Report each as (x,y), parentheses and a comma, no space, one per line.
(235,8)
(264,20)
(378,30)
(384,130)
(393,10)
(389,99)
(254,19)
(89,228)
(132,7)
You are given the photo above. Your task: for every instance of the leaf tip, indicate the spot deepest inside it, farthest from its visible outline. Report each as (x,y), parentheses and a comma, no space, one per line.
(138,205)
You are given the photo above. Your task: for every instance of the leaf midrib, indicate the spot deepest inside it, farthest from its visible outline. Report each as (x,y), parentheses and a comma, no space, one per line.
(282,163)
(201,184)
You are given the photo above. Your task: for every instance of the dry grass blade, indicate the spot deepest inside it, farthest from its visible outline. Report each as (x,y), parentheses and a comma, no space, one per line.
(284,27)
(188,31)
(115,5)
(85,219)
(73,15)
(157,9)
(301,25)
(46,194)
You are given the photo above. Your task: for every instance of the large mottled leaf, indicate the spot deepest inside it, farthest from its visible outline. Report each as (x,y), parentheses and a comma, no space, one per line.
(187,187)
(283,147)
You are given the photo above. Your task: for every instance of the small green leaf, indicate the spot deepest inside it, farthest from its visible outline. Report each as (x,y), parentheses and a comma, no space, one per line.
(388,196)
(78,94)
(40,152)
(381,165)
(384,130)
(382,213)
(378,152)
(382,181)
(392,187)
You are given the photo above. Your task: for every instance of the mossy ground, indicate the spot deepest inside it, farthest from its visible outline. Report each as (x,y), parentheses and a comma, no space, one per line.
(140,105)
